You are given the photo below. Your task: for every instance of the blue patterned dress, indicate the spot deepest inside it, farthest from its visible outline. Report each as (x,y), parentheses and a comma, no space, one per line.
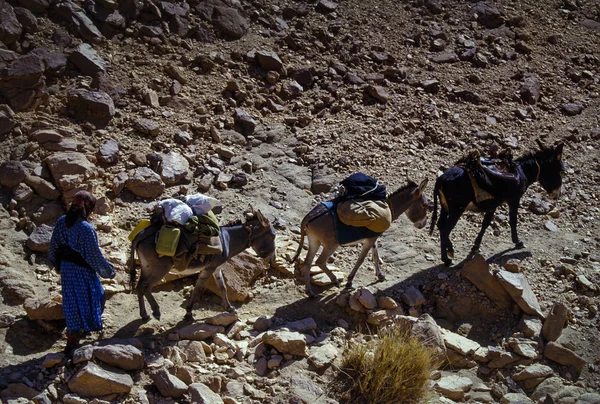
(82,293)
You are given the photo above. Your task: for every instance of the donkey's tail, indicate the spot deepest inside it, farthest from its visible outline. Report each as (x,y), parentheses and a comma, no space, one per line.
(132,266)
(434,217)
(301,244)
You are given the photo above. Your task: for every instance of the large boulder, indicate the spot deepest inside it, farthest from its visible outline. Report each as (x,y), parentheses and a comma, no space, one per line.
(94,380)
(126,357)
(70,171)
(477,270)
(77,20)
(230,22)
(44,188)
(7,123)
(239,273)
(10,28)
(174,168)
(44,309)
(87,60)
(145,183)
(201,393)
(22,82)
(39,239)
(12,173)
(95,107)
(168,384)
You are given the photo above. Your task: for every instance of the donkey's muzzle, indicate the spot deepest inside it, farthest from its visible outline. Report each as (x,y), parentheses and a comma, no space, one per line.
(556,193)
(421,223)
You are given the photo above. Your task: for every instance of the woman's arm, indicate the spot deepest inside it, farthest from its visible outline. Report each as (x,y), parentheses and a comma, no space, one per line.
(93,255)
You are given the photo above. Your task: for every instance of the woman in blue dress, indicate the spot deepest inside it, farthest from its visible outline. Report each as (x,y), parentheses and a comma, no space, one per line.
(74,251)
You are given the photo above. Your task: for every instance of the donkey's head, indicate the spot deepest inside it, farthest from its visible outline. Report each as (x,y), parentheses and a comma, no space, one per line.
(552,168)
(261,235)
(417,210)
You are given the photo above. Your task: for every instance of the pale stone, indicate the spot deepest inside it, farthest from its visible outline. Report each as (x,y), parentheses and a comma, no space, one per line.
(377,317)
(564,356)
(477,271)
(530,326)
(555,322)
(202,394)
(193,350)
(93,380)
(536,370)
(53,359)
(453,387)
(366,298)
(515,398)
(524,347)
(290,342)
(126,357)
(458,343)
(519,289)
(323,356)
(386,302)
(168,384)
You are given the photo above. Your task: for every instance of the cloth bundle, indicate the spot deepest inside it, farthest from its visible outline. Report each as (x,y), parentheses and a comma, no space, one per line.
(374,215)
(175,210)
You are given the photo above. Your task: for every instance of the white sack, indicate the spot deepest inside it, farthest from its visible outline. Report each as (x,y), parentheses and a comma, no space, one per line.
(176,210)
(201,204)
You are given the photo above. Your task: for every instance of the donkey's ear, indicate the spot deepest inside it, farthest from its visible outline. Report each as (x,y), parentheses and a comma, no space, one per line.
(261,218)
(540,144)
(423,184)
(558,150)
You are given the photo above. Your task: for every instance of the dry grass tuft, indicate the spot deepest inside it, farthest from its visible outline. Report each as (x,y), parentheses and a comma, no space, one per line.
(394,368)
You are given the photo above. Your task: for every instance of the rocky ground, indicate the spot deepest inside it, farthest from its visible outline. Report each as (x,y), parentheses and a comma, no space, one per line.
(270,104)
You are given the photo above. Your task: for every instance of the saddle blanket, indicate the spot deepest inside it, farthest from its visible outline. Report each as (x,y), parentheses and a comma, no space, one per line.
(347,234)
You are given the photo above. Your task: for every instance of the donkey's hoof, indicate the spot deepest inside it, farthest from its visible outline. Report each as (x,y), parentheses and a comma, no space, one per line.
(519,245)
(381,278)
(188,316)
(349,286)
(474,250)
(448,263)
(156,315)
(146,318)
(232,310)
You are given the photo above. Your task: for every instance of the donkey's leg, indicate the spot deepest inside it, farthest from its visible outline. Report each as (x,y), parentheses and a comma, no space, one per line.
(313,247)
(143,313)
(322,263)
(223,288)
(153,303)
(487,219)
(513,210)
(198,291)
(442,227)
(365,250)
(377,262)
(453,216)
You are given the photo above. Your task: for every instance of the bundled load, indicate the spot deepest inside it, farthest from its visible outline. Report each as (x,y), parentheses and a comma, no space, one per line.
(186,228)
(361,202)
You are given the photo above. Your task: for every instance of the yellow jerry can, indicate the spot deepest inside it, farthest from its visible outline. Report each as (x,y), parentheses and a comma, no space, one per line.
(167,240)
(140,226)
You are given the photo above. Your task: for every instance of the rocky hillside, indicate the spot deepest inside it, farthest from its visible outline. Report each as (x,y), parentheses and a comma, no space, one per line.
(270,104)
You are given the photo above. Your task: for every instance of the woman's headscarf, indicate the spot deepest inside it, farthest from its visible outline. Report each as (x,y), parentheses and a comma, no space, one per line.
(82,205)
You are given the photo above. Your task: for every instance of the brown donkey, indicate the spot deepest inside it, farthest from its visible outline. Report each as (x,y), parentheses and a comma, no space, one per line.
(257,233)
(319,226)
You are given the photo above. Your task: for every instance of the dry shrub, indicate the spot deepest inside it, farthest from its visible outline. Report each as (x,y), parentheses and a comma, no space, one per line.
(393,368)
